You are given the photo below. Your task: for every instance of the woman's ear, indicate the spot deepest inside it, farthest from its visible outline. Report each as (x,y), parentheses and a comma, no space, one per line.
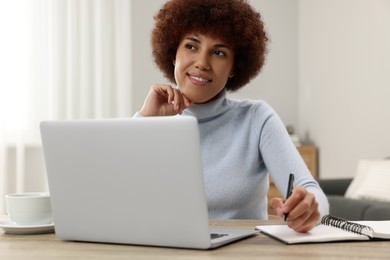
(231,75)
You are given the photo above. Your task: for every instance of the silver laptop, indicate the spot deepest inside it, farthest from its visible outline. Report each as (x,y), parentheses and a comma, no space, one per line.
(130,181)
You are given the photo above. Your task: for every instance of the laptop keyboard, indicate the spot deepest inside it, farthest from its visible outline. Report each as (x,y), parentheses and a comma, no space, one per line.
(215,235)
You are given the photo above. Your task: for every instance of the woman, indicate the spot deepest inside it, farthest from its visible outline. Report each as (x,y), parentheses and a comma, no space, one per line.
(209,47)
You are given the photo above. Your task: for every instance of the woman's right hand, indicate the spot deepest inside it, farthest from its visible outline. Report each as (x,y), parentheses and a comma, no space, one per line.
(164,100)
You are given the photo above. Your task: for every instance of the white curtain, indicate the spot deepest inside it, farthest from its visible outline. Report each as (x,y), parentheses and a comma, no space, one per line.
(64,59)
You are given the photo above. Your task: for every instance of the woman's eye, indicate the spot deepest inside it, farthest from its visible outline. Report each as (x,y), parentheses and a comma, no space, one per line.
(219,53)
(190,46)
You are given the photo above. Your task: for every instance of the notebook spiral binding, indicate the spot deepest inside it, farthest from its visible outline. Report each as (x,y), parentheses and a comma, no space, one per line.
(344,224)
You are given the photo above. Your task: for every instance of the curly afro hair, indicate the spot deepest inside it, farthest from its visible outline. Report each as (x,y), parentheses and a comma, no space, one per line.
(233,21)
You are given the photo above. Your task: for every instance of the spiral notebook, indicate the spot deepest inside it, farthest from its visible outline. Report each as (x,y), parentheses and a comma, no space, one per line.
(331,229)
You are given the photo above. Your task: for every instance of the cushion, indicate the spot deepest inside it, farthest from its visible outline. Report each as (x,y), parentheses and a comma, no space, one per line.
(372,181)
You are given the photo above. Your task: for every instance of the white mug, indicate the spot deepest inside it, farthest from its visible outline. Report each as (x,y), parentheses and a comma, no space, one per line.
(28,209)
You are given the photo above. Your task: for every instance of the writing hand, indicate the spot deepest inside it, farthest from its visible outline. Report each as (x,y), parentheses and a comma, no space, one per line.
(164,100)
(302,209)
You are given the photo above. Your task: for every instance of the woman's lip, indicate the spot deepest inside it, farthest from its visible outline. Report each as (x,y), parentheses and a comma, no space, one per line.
(198,80)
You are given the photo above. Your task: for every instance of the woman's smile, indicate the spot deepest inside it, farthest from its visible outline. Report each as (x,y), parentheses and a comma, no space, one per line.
(199,80)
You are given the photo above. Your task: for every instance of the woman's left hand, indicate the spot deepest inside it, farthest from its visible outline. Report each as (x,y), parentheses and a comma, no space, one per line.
(301,207)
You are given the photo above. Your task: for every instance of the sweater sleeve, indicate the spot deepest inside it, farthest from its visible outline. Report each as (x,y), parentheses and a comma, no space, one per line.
(137,115)
(281,158)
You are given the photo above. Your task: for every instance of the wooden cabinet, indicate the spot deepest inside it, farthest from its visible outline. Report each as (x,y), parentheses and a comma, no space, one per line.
(309,154)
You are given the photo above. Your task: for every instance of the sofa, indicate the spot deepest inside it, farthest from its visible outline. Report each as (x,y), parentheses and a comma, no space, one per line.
(352,209)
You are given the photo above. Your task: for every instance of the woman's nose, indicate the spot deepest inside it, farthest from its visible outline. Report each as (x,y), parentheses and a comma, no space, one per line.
(202,62)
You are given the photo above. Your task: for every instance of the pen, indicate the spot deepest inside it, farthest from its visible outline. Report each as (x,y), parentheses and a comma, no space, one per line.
(289,190)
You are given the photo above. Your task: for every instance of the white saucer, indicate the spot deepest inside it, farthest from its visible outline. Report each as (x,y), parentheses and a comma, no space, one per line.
(10,227)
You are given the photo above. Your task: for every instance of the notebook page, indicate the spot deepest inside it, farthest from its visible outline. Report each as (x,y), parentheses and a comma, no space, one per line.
(381,227)
(320,233)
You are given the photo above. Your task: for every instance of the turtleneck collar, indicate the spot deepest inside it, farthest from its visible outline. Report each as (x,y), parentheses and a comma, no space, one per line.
(210,110)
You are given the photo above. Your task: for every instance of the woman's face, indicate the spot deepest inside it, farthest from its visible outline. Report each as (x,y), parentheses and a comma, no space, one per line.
(203,65)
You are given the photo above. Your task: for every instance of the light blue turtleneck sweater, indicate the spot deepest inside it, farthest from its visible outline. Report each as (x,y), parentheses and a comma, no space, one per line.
(242,142)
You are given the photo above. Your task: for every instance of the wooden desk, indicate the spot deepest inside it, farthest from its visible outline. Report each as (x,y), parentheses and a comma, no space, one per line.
(47,246)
